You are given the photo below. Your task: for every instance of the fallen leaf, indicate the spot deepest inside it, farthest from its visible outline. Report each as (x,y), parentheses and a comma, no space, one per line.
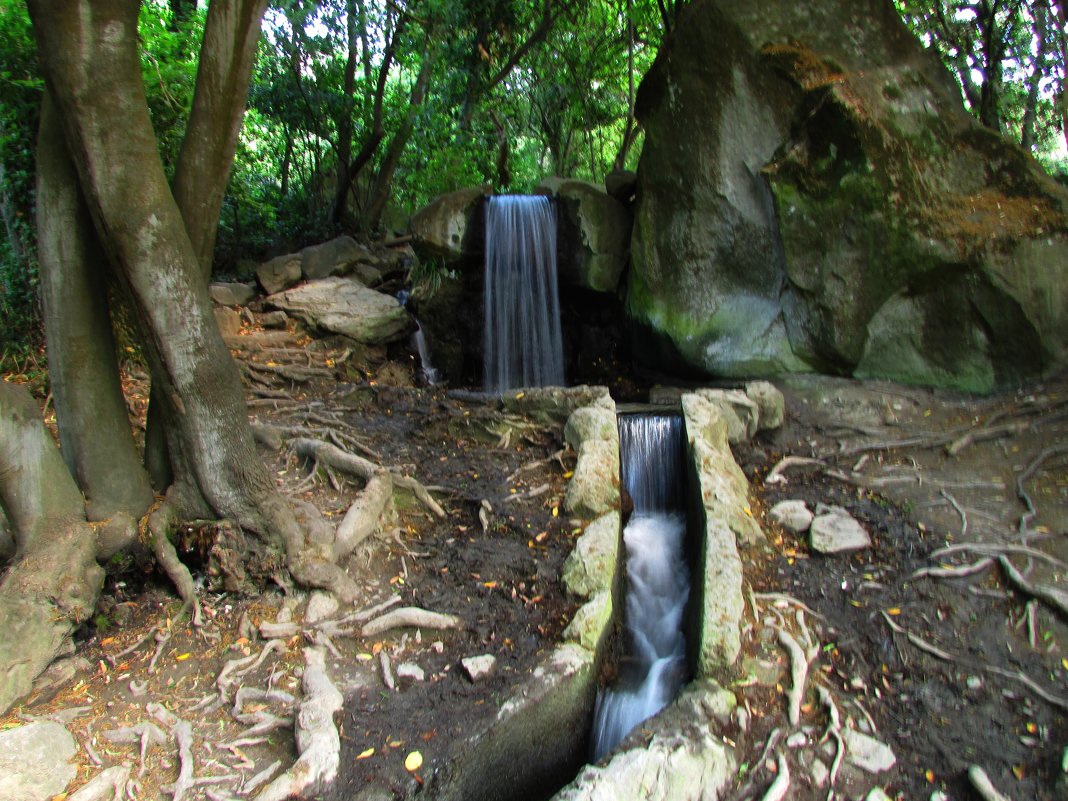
(364,754)
(413,761)
(183,657)
(929,775)
(1019,771)
(893,610)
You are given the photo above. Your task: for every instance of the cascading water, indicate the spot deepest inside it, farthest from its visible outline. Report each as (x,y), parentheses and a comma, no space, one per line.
(430,372)
(523,342)
(658,583)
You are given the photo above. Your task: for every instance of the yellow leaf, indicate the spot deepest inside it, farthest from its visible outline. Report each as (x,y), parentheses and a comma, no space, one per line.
(489,585)
(183,657)
(556,511)
(520,395)
(929,775)
(413,761)
(569,473)
(364,754)
(893,610)
(365,657)
(1064,663)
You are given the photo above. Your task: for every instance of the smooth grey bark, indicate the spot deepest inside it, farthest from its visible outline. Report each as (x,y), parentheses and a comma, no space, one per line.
(227,54)
(94,428)
(54,581)
(89,56)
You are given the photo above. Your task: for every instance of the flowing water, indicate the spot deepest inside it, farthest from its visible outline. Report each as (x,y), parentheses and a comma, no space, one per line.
(658,583)
(523,342)
(430,373)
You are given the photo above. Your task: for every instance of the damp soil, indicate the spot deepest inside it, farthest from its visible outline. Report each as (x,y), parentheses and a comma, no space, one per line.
(884,454)
(501,576)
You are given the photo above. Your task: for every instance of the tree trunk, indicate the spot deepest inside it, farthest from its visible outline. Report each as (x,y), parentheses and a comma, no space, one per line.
(383,184)
(89,56)
(94,427)
(54,582)
(231,34)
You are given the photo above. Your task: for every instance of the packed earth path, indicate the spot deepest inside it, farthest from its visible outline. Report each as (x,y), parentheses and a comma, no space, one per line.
(953,658)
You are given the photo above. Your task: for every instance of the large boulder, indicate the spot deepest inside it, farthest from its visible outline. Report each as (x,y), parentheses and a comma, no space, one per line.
(594,232)
(449,226)
(335,257)
(345,306)
(833,207)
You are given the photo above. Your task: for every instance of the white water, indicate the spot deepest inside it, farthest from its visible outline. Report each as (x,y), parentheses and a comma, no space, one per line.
(523,342)
(430,372)
(658,582)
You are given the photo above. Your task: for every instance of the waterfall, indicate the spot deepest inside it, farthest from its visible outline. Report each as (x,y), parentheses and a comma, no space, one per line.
(523,342)
(430,372)
(658,584)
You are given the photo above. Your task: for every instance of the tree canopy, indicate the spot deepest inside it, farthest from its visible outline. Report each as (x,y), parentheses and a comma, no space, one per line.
(359,111)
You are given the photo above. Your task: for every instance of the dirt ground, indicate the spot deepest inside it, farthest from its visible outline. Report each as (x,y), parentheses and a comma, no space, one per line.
(882,454)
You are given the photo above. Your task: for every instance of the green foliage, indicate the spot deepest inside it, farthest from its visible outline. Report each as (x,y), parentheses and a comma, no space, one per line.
(398,102)
(1009,60)
(20,94)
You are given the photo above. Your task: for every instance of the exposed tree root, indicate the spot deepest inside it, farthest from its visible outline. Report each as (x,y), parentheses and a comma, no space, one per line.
(777,473)
(162,524)
(1021,493)
(982,784)
(978,566)
(318,741)
(410,617)
(339,459)
(1047,593)
(781,786)
(54,581)
(990,549)
(799,662)
(918,641)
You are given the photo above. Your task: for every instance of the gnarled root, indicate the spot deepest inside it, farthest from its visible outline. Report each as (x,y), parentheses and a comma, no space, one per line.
(54,582)
(162,524)
(318,740)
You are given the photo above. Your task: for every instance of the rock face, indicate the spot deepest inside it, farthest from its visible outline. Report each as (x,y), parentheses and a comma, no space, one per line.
(831,206)
(345,306)
(594,233)
(448,226)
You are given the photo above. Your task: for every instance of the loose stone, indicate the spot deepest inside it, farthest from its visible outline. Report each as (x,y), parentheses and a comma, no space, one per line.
(478,668)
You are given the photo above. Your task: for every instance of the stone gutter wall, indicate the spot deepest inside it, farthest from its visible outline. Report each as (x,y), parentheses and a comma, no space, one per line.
(540,733)
(539,737)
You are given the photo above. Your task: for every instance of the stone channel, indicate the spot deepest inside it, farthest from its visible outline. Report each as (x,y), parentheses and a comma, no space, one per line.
(537,741)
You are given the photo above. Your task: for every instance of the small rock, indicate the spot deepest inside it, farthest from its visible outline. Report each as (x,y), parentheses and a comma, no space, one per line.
(34,761)
(974,683)
(438,647)
(793,516)
(835,533)
(741,719)
(411,672)
(769,401)
(321,605)
(59,673)
(274,319)
(228,320)
(819,773)
(231,294)
(797,740)
(877,794)
(478,668)
(867,753)
(938,795)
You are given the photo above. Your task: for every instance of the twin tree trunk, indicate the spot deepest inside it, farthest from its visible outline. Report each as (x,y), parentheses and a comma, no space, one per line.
(104,198)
